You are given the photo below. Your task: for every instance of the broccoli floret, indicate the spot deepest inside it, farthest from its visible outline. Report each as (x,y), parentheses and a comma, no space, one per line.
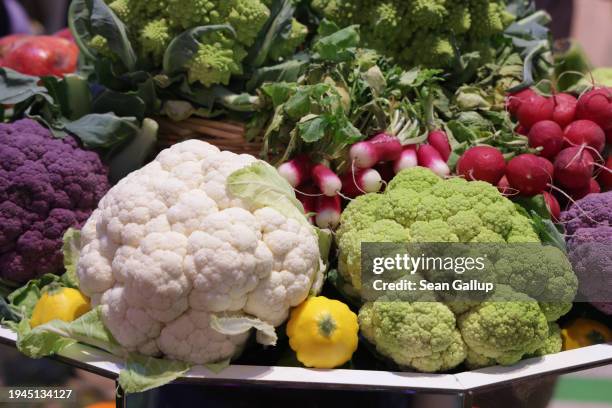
(553,343)
(506,327)
(421,335)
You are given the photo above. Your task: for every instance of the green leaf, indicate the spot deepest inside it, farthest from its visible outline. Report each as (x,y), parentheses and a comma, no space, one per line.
(183,47)
(143,373)
(299,105)
(103,130)
(548,232)
(78,21)
(25,298)
(535,204)
(281,16)
(339,46)
(279,92)
(71,249)
(235,325)
(106,24)
(51,338)
(16,88)
(119,103)
(288,71)
(312,128)
(135,154)
(260,185)
(8,312)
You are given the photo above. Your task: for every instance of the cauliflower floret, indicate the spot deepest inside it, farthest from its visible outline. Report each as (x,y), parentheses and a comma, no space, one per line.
(170,246)
(421,335)
(504,328)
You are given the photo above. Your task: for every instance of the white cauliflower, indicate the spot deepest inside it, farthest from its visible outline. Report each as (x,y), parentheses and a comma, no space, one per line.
(170,246)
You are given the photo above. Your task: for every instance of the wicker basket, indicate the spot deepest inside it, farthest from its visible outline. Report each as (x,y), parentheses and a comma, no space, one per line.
(225,135)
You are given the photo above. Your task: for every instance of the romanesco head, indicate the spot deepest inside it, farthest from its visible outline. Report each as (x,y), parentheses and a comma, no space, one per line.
(420,335)
(217,59)
(504,328)
(154,38)
(185,14)
(247,17)
(100,45)
(121,8)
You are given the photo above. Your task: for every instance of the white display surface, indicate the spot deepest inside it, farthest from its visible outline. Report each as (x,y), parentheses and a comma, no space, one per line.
(105,364)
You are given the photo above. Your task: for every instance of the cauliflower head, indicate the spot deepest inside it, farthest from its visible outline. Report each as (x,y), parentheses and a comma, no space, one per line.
(425,208)
(420,335)
(170,249)
(47,185)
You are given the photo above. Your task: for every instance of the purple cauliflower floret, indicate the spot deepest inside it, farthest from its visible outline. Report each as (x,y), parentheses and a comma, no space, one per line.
(47,185)
(594,210)
(589,228)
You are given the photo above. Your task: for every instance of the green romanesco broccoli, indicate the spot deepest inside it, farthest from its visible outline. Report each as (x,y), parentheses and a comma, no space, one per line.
(422,32)
(420,335)
(152,24)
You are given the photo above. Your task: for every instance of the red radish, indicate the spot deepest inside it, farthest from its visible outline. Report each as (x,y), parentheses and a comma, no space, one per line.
(483,163)
(326,180)
(554,209)
(429,157)
(527,174)
(592,188)
(605,177)
(329,210)
(521,130)
(565,109)
(361,182)
(535,110)
(386,171)
(504,186)
(296,171)
(381,148)
(407,160)
(549,136)
(308,197)
(39,55)
(573,168)
(609,136)
(548,167)
(596,105)
(585,132)
(514,101)
(439,140)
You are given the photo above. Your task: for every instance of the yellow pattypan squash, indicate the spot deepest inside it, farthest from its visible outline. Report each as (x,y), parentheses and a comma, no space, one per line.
(323,332)
(584,332)
(59,304)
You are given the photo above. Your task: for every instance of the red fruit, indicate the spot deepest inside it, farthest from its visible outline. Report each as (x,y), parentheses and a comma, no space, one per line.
(592,188)
(554,209)
(565,109)
(535,110)
(483,163)
(549,136)
(514,101)
(521,130)
(585,132)
(439,140)
(527,175)
(574,168)
(40,55)
(605,176)
(596,106)
(548,167)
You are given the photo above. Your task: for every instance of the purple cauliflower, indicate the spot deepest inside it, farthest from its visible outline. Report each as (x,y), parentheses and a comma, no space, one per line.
(47,185)
(589,227)
(594,210)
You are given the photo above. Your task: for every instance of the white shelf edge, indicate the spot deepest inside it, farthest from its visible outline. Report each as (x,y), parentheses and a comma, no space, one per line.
(103,363)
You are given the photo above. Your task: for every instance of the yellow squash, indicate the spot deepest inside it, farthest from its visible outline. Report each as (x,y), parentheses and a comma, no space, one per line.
(59,304)
(323,332)
(584,332)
